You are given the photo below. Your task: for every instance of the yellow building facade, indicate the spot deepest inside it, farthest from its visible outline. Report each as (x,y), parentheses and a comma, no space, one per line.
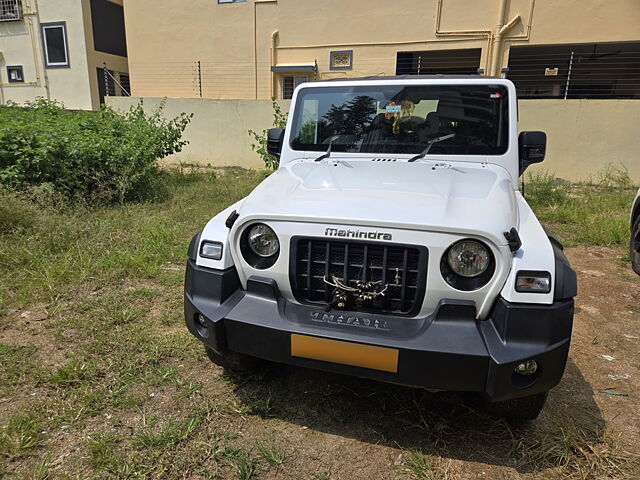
(264,48)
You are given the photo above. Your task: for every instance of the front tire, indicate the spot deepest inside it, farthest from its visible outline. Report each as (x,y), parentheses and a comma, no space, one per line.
(519,409)
(634,245)
(235,362)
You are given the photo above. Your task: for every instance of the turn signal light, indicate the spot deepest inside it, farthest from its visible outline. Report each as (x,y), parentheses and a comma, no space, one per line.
(533,282)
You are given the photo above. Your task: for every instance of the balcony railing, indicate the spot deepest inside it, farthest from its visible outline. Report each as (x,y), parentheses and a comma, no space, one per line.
(10,10)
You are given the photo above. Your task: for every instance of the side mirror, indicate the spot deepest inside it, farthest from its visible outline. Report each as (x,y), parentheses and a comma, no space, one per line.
(531,148)
(274,141)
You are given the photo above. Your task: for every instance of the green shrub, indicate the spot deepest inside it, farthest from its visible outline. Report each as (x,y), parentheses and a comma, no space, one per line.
(543,190)
(260,145)
(101,156)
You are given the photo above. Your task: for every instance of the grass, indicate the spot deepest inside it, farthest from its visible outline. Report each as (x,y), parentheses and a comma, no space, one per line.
(98,369)
(595,213)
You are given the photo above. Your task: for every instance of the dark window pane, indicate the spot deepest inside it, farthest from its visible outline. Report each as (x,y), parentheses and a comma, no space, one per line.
(54,39)
(107,20)
(125,82)
(463,61)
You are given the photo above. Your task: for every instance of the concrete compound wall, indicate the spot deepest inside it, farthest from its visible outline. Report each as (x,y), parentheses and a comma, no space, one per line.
(218,133)
(584,136)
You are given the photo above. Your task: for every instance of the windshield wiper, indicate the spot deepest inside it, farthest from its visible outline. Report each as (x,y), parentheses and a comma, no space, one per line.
(429,145)
(324,155)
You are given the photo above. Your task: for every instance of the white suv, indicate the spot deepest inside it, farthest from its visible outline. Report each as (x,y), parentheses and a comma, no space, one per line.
(392,243)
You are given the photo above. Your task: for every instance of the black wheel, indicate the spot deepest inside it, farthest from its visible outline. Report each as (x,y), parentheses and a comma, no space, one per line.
(518,409)
(634,246)
(236,362)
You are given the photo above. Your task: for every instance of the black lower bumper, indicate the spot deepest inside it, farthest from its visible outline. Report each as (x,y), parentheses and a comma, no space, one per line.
(449,350)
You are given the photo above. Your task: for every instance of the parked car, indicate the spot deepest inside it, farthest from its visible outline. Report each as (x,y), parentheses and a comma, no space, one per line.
(634,241)
(392,243)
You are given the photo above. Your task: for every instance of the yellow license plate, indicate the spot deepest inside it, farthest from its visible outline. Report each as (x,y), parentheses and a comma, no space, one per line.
(346,353)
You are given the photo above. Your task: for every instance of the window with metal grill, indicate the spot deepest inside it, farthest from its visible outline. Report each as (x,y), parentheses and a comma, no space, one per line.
(594,70)
(289,84)
(402,269)
(125,83)
(10,10)
(463,61)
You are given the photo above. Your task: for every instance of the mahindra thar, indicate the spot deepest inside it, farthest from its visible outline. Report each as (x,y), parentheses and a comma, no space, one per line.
(393,243)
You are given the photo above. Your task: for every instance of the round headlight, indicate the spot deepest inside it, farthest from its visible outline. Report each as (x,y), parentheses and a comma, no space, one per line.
(468,258)
(263,241)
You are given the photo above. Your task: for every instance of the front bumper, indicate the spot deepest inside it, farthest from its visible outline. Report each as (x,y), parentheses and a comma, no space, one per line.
(449,350)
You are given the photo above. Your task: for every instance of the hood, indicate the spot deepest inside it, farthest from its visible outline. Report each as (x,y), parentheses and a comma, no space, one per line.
(464,198)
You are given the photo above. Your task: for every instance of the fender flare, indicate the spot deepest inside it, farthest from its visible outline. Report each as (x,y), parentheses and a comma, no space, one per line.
(566,280)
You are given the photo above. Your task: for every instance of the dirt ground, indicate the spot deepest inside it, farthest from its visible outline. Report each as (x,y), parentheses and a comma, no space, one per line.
(334,427)
(357,429)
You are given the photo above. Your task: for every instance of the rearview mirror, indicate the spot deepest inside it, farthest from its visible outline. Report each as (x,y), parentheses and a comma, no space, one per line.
(274,141)
(532,147)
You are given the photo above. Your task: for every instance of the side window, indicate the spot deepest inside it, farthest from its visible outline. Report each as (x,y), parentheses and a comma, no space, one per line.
(54,39)
(15,74)
(289,84)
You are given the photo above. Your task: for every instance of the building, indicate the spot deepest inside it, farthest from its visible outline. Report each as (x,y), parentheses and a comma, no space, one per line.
(575,63)
(264,48)
(58,49)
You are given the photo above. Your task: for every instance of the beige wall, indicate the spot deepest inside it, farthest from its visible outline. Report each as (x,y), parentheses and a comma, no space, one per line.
(218,133)
(21,44)
(581,139)
(233,41)
(584,136)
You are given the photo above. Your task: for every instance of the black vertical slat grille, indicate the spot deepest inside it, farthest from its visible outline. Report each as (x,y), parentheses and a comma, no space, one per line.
(402,268)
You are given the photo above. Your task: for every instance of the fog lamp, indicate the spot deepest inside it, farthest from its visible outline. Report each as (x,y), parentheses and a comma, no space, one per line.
(202,321)
(527,368)
(533,282)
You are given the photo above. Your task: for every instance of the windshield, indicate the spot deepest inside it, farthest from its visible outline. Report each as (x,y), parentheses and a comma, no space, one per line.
(402,119)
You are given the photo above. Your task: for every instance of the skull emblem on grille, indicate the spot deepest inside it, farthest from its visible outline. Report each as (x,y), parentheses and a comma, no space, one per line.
(363,292)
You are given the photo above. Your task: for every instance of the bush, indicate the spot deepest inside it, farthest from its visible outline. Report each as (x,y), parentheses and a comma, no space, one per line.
(543,190)
(101,156)
(260,147)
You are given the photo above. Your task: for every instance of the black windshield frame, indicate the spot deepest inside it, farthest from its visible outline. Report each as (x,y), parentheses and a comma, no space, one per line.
(387,119)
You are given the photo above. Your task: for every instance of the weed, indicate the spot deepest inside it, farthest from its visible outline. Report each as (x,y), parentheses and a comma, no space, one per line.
(75,372)
(614,176)
(21,434)
(575,453)
(322,476)
(271,453)
(103,451)
(260,138)
(418,466)
(583,214)
(245,466)
(542,190)
(168,433)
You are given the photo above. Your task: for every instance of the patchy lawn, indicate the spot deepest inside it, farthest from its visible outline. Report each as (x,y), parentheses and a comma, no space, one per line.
(100,378)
